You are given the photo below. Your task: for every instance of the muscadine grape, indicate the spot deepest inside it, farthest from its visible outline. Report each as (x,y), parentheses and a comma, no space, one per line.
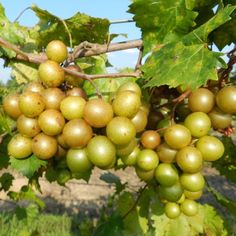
(202,100)
(72,107)
(131,159)
(19,146)
(28,127)
(44,146)
(120,130)
(77,160)
(101,151)
(193,195)
(166,153)
(77,133)
(31,104)
(11,105)
(147,159)
(51,74)
(166,174)
(51,122)
(198,123)
(177,136)
(126,103)
(124,150)
(172,210)
(226,99)
(220,119)
(52,98)
(192,181)
(131,86)
(35,87)
(144,175)
(140,120)
(56,50)
(189,207)
(98,113)
(189,159)
(171,193)
(211,148)
(150,139)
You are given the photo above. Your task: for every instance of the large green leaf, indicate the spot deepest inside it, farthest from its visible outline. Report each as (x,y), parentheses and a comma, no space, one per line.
(200,34)
(27,166)
(176,64)
(23,72)
(162,21)
(15,34)
(81,27)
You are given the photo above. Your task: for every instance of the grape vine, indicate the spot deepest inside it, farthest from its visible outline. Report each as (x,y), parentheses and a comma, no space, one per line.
(168,118)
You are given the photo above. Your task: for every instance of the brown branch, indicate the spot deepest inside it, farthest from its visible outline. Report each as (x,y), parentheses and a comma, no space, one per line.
(95,49)
(224,73)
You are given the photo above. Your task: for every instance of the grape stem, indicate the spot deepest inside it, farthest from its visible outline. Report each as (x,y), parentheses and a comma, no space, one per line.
(84,50)
(136,201)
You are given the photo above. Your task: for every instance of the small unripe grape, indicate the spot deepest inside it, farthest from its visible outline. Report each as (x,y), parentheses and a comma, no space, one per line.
(166,153)
(145,175)
(150,139)
(189,207)
(131,159)
(140,120)
(172,210)
(131,86)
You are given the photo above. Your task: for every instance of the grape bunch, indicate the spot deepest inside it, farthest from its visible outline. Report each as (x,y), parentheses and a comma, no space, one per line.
(55,123)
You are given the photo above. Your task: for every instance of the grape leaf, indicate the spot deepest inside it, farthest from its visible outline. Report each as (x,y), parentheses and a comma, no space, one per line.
(193,4)
(132,224)
(200,34)
(112,227)
(176,64)
(226,165)
(6,181)
(162,21)
(27,166)
(12,32)
(26,193)
(113,179)
(24,72)
(81,27)
(206,221)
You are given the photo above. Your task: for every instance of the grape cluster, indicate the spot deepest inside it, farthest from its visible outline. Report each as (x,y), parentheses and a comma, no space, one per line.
(57,124)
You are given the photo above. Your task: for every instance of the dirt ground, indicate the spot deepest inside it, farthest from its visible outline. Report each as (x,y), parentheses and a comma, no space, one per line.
(78,196)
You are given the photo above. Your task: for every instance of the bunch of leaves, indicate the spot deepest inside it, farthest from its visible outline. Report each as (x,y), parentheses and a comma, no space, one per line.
(177,44)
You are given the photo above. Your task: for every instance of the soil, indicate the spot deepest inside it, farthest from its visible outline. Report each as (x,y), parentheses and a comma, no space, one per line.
(79,197)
